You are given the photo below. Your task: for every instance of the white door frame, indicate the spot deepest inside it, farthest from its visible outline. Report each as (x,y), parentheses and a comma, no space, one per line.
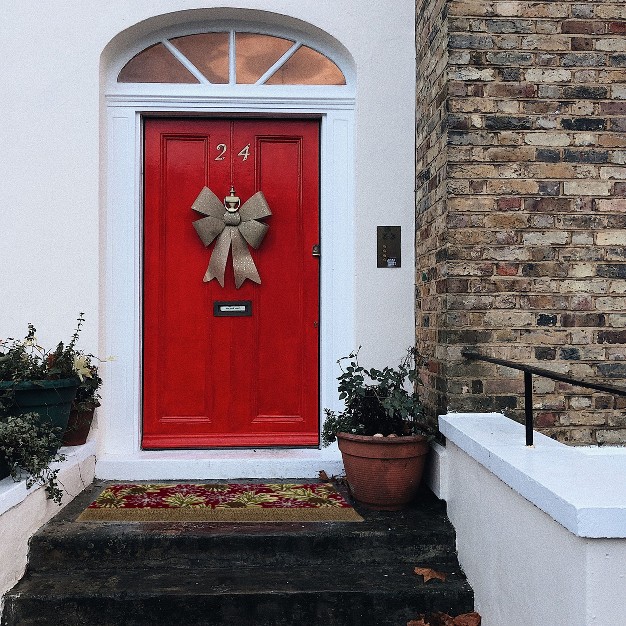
(120,455)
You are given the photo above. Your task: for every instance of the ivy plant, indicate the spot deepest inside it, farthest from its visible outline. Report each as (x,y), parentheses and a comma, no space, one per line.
(377,401)
(28,446)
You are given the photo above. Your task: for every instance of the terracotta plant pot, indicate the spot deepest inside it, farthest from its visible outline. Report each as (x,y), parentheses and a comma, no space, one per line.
(4,468)
(78,427)
(383,473)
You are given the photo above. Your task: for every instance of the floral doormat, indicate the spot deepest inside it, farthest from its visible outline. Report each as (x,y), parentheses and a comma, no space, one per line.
(231,502)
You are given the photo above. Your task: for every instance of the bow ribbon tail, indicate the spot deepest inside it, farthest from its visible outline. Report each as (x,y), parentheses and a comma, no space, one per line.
(243,264)
(217,264)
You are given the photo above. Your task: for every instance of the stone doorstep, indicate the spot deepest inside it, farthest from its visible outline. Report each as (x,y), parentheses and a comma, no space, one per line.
(251,596)
(421,534)
(271,573)
(147,465)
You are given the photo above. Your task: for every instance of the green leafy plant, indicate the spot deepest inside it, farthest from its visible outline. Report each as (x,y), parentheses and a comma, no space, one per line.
(29,446)
(28,442)
(87,394)
(25,360)
(85,403)
(22,359)
(377,400)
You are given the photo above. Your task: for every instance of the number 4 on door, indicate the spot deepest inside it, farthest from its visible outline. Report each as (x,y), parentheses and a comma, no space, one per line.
(245,153)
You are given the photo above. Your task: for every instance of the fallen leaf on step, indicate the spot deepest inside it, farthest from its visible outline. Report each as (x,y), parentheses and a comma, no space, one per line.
(416,622)
(323,476)
(429,573)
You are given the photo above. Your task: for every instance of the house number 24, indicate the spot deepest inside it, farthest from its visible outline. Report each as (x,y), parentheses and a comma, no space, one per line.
(222,148)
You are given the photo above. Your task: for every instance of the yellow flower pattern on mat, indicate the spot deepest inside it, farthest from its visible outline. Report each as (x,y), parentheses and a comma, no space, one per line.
(220,496)
(219,502)
(284,489)
(318,498)
(247,499)
(108,499)
(180,500)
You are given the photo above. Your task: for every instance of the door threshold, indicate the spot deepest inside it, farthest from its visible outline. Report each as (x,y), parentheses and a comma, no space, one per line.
(220,464)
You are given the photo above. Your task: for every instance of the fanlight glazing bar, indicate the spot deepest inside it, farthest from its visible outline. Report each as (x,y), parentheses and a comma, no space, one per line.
(232,60)
(274,68)
(186,62)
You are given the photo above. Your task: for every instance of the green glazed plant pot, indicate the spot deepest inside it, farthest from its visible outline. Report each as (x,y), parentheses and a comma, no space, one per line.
(50,399)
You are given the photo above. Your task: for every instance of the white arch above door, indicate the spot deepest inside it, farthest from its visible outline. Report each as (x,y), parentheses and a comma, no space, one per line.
(307,36)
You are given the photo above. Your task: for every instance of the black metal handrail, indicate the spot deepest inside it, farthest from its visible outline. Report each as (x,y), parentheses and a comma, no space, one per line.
(529,370)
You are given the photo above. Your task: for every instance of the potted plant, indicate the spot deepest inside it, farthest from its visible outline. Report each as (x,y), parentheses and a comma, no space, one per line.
(382,433)
(28,445)
(5,470)
(33,380)
(37,389)
(85,403)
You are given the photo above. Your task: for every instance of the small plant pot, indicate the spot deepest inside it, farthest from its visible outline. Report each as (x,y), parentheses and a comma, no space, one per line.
(78,427)
(50,399)
(5,470)
(384,473)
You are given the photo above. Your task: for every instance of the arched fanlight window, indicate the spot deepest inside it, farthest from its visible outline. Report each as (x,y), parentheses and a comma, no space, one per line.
(230,58)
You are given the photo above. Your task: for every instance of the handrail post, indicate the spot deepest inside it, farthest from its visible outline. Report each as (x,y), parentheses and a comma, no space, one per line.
(528,407)
(529,370)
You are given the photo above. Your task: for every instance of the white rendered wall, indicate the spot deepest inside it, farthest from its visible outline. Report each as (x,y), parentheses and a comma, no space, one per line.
(525,567)
(53,183)
(50,164)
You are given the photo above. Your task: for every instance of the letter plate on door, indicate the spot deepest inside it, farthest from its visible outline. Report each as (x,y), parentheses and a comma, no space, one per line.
(238,308)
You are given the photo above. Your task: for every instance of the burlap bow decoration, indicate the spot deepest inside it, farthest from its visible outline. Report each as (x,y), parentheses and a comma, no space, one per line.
(233,225)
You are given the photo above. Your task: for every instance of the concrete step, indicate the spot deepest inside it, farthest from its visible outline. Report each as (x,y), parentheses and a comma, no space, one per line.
(247,573)
(330,595)
(111,545)
(296,549)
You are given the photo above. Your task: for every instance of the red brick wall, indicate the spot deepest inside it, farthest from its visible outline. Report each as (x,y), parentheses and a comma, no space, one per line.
(522,243)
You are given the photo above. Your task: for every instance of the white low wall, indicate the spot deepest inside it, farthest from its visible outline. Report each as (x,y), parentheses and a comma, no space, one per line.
(541,531)
(23,511)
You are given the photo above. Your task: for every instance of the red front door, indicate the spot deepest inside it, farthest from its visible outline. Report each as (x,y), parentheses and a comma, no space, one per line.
(242,380)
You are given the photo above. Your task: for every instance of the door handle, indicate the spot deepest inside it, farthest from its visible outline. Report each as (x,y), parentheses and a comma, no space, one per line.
(316,250)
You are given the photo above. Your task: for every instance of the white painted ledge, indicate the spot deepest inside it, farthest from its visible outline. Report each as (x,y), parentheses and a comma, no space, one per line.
(437,470)
(13,493)
(583,489)
(220,464)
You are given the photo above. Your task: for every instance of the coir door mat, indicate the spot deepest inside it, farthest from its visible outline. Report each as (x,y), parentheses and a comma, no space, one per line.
(232,502)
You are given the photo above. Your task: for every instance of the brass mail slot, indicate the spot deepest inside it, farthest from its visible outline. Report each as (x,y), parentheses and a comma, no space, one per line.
(236,308)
